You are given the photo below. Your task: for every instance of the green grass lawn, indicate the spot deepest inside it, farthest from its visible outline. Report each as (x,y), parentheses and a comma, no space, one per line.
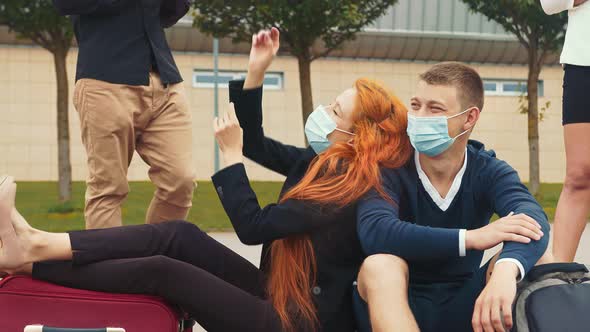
(36,199)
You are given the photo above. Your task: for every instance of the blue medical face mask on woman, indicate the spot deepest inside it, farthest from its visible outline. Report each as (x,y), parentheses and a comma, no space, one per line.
(317,128)
(430,135)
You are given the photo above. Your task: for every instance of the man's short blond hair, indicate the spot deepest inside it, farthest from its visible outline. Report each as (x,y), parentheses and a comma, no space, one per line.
(467,81)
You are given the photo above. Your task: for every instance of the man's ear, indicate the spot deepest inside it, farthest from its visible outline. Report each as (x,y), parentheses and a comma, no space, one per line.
(472,118)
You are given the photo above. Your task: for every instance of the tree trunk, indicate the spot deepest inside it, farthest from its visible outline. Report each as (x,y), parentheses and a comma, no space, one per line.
(305,86)
(63,129)
(533,121)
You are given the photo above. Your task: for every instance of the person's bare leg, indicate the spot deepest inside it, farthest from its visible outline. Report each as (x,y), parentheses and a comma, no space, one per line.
(383,283)
(547,258)
(573,207)
(11,253)
(39,245)
(23,245)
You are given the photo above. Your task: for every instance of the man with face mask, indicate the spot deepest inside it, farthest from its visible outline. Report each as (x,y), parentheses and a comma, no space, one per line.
(424,272)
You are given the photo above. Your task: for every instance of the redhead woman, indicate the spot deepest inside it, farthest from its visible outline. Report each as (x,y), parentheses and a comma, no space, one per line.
(312,252)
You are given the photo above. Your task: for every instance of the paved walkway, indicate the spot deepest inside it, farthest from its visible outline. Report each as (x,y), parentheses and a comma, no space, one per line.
(252,253)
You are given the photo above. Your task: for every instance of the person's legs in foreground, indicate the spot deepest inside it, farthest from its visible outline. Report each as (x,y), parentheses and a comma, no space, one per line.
(214,303)
(178,240)
(442,306)
(573,207)
(165,143)
(383,283)
(224,284)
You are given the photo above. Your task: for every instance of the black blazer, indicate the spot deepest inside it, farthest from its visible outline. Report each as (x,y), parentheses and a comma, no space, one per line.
(121,40)
(333,232)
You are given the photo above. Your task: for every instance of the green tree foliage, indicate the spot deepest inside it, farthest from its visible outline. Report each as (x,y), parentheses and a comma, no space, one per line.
(541,35)
(40,22)
(310,29)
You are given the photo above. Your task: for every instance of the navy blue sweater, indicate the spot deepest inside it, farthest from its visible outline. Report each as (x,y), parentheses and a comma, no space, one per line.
(417,230)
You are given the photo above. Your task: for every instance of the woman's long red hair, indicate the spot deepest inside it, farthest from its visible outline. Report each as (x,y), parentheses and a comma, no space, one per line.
(338,177)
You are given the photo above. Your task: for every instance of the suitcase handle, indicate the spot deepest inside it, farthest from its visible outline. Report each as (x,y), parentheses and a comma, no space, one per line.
(41,328)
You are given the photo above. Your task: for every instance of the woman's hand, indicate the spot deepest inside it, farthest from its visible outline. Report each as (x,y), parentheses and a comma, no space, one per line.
(265,45)
(515,228)
(228,134)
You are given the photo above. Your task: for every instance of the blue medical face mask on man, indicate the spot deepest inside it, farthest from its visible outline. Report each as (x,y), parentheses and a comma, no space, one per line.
(317,128)
(430,135)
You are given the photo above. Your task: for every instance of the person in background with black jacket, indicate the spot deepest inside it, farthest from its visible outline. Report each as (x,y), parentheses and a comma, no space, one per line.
(130,97)
(313,251)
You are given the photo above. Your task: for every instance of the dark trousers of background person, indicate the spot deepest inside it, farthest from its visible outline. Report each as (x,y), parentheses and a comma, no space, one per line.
(173,260)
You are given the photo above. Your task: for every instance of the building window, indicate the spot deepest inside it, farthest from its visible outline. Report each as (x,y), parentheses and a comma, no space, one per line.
(206,79)
(508,87)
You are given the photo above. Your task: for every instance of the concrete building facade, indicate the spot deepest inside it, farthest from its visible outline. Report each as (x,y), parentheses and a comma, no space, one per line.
(395,50)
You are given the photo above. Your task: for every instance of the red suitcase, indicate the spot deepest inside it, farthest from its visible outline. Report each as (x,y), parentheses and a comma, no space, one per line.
(27,302)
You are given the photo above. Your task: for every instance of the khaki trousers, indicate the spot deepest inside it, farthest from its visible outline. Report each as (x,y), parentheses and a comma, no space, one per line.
(153,120)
